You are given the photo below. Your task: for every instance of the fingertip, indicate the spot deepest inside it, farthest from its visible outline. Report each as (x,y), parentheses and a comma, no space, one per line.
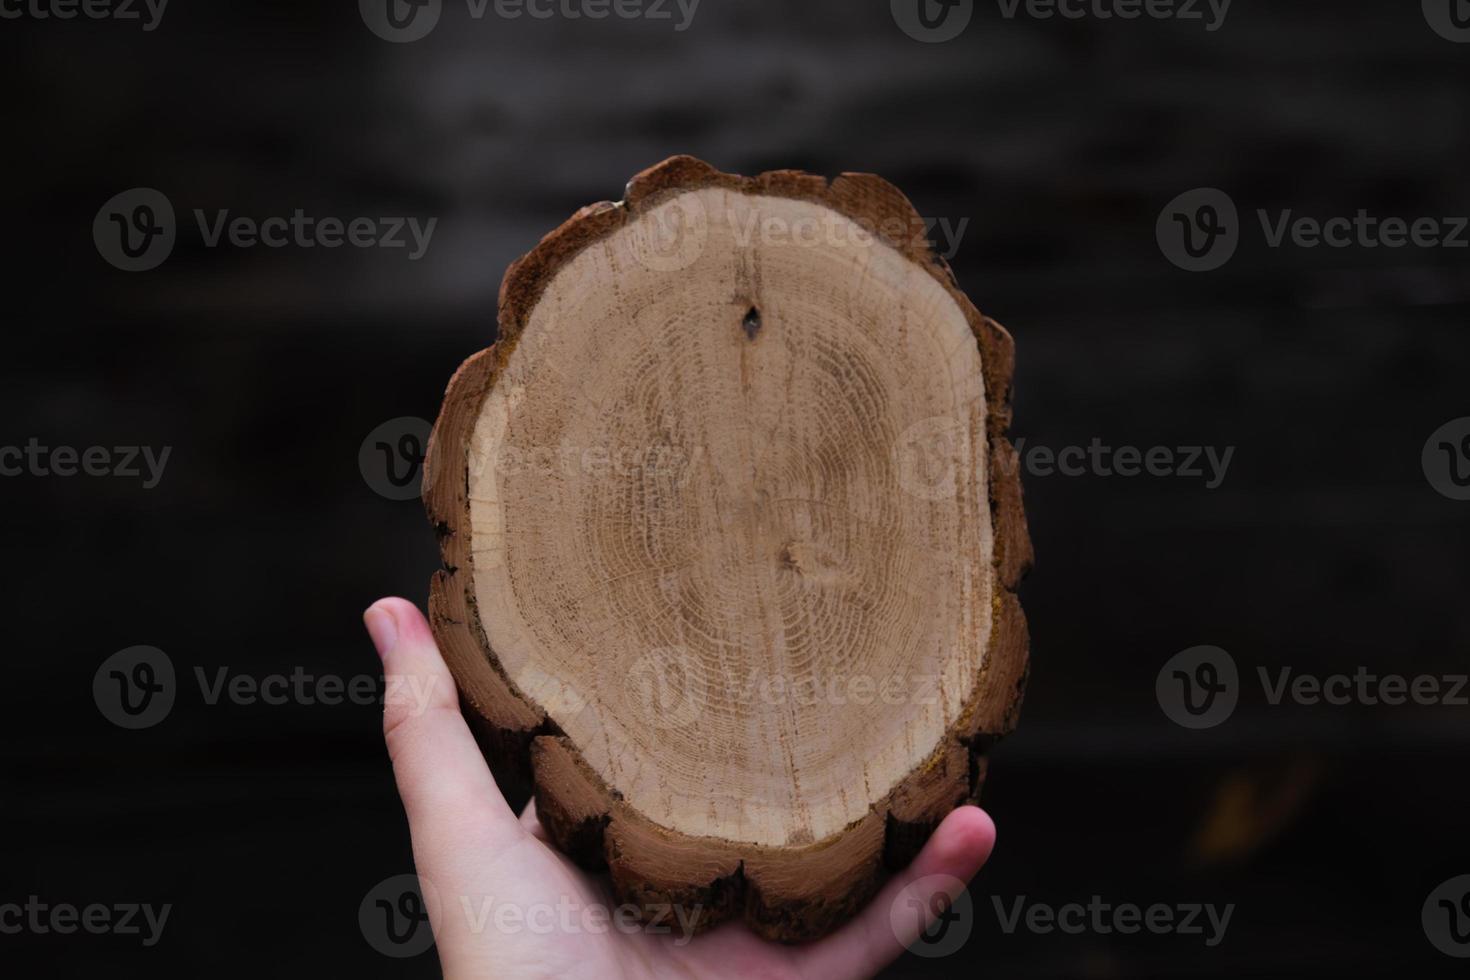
(392,621)
(957,849)
(961,844)
(969,832)
(382,628)
(402,610)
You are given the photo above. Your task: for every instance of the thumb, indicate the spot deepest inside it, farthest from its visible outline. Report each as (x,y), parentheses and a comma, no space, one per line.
(447,790)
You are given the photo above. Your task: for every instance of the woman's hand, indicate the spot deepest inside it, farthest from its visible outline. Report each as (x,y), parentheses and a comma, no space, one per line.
(504,903)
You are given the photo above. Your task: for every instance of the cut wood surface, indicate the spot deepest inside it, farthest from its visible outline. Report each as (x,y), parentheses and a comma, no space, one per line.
(731,530)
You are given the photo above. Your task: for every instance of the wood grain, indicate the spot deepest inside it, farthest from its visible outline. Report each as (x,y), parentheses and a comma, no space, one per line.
(731,531)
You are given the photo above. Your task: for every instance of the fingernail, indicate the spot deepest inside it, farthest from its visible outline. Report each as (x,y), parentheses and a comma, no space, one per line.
(382,628)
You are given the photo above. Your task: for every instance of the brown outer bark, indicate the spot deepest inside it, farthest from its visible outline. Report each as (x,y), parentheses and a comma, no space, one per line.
(784,893)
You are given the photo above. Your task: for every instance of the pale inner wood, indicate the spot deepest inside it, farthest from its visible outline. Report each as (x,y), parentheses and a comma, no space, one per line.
(729,512)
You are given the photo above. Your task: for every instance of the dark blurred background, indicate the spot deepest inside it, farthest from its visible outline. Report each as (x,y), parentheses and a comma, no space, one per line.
(1057,142)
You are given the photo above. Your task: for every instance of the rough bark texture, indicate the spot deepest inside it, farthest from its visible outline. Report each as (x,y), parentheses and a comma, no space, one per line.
(791,892)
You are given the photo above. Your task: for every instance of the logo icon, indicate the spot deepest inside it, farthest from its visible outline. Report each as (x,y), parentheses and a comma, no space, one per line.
(1199,687)
(929,457)
(400,21)
(134,688)
(396,915)
(927,921)
(391,458)
(1449,18)
(1446,459)
(1199,230)
(932,21)
(1446,917)
(135,230)
(673,236)
(667,685)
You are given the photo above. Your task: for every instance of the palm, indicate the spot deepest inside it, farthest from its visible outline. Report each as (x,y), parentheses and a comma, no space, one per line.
(504,903)
(539,876)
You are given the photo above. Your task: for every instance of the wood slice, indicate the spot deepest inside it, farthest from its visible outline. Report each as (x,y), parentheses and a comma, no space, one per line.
(731,530)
